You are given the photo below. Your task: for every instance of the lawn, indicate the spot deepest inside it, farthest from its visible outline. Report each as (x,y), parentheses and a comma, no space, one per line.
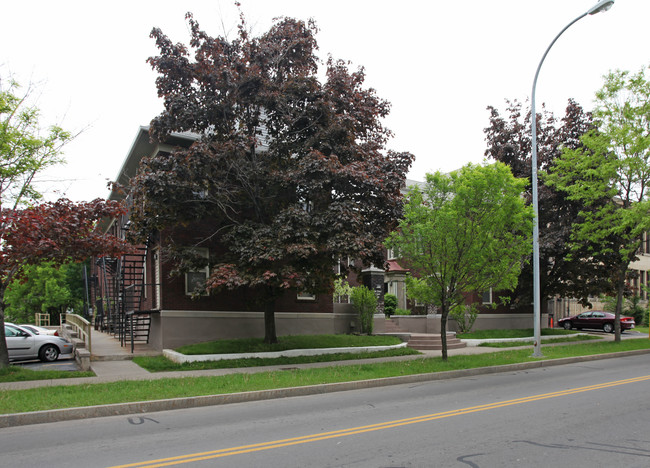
(16,401)
(515,333)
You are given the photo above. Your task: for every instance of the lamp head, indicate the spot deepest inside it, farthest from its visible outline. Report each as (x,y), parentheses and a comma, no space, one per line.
(602,5)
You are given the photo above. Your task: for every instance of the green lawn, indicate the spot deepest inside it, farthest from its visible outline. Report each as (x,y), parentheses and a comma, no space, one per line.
(257,345)
(162,364)
(15,401)
(516,333)
(568,339)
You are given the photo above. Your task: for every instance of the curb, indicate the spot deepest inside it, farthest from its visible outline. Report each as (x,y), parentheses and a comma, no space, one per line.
(119,409)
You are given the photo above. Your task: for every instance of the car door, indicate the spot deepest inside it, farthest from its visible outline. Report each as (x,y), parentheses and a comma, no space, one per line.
(583,320)
(598,319)
(20,344)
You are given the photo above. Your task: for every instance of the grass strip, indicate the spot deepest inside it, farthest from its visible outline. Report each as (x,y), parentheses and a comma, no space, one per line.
(257,345)
(17,401)
(162,364)
(568,339)
(514,333)
(20,374)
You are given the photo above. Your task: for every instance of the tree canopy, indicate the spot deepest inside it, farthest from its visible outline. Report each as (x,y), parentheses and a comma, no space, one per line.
(467,231)
(289,172)
(45,288)
(30,232)
(614,165)
(25,148)
(563,271)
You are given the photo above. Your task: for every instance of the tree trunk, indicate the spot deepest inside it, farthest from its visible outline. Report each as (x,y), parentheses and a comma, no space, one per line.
(4,352)
(444,313)
(270,336)
(620,289)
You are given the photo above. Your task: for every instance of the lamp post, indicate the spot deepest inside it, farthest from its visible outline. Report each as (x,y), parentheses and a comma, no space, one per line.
(602,5)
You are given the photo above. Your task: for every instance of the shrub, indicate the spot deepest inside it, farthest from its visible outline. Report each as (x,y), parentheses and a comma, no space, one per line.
(465,316)
(634,309)
(364,302)
(390,304)
(402,312)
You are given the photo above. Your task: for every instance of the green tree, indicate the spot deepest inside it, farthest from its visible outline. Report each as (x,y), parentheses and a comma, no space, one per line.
(289,169)
(364,302)
(582,275)
(614,163)
(45,288)
(25,147)
(32,233)
(465,231)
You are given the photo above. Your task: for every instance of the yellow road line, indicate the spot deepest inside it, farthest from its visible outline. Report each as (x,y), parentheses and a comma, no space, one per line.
(373,427)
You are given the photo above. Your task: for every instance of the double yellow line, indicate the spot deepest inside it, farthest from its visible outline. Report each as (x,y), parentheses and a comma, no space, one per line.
(370,428)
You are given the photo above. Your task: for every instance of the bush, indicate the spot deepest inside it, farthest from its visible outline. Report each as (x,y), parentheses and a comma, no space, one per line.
(634,309)
(402,312)
(390,304)
(465,316)
(364,302)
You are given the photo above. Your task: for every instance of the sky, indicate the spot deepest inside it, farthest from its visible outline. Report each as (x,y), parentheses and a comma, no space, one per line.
(440,64)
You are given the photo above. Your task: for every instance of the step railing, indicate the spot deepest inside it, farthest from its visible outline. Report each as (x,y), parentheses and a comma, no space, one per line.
(81,326)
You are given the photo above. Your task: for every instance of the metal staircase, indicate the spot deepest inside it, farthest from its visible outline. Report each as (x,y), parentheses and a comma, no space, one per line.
(119,311)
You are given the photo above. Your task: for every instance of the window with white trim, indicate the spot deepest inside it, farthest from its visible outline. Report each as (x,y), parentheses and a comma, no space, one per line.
(195,279)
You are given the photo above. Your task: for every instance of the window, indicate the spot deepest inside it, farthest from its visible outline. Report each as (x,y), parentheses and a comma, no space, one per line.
(195,279)
(486,297)
(304,296)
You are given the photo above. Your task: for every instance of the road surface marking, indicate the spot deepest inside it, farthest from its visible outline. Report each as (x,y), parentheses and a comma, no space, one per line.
(195,457)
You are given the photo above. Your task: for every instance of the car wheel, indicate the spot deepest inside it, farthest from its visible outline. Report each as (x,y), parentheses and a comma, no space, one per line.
(48,353)
(567,325)
(608,328)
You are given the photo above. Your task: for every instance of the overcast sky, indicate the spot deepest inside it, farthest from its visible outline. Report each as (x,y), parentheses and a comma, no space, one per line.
(440,66)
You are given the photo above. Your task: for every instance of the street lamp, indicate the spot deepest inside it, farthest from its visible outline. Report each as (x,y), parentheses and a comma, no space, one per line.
(602,5)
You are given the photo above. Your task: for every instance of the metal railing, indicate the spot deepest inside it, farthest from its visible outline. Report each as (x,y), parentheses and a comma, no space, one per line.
(82,327)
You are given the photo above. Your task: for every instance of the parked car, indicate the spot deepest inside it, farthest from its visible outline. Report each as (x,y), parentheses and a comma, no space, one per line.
(596,320)
(40,330)
(24,344)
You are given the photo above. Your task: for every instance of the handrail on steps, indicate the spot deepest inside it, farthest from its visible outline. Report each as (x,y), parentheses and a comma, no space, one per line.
(81,326)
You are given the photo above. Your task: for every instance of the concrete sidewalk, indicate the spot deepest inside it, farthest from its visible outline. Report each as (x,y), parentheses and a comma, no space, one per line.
(116,365)
(112,363)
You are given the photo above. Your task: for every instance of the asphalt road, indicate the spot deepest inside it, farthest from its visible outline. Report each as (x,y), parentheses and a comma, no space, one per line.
(580,415)
(63,363)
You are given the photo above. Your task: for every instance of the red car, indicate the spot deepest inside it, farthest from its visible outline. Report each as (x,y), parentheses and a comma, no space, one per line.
(596,319)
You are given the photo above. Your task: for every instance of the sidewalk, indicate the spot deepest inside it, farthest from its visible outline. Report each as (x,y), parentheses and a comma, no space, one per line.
(112,362)
(122,368)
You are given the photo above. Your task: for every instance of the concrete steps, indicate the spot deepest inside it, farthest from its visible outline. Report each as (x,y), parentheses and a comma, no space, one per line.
(424,342)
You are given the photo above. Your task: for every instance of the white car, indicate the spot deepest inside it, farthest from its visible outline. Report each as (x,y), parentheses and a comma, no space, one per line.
(40,330)
(23,344)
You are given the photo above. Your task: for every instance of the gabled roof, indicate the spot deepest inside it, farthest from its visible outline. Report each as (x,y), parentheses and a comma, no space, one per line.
(143,146)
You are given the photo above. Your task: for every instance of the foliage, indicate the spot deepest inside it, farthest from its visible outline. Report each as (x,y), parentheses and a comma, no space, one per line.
(26,149)
(365,303)
(290,171)
(342,290)
(631,307)
(30,234)
(59,232)
(44,288)
(563,272)
(390,304)
(615,165)
(399,311)
(464,231)
(464,316)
